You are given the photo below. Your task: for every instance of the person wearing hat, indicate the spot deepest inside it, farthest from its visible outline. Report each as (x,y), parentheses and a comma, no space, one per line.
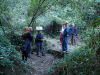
(30,30)
(39,40)
(65,37)
(73,33)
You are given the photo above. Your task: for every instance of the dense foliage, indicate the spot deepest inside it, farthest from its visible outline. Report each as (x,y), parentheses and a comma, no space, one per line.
(10,61)
(83,61)
(16,14)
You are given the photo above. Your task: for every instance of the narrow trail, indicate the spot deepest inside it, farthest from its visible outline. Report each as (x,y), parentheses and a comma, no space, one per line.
(55,45)
(40,64)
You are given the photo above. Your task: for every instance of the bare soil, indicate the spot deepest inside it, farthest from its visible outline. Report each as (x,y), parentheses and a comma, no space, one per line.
(55,45)
(42,63)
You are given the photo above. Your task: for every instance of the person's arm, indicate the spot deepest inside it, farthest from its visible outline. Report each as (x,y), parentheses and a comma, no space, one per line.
(42,39)
(76,31)
(65,33)
(67,30)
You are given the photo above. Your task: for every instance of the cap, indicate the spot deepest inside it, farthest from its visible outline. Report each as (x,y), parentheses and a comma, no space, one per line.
(39,30)
(30,28)
(66,22)
(73,24)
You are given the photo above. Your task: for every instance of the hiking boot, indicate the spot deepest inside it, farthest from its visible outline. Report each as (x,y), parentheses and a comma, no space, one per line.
(64,51)
(43,54)
(38,55)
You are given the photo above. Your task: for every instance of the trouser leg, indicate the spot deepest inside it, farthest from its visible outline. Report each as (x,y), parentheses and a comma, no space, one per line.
(26,55)
(41,47)
(72,39)
(23,54)
(30,50)
(66,44)
(63,43)
(38,47)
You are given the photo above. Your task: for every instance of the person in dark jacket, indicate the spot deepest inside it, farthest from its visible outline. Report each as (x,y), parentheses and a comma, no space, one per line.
(39,40)
(26,43)
(73,33)
(30,31)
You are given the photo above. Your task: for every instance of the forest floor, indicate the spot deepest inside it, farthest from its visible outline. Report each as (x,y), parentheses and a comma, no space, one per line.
(42,63)
(54,44)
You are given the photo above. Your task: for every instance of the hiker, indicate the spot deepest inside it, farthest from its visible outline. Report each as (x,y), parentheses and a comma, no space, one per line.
(30,31)
(26,43)
(39,40)
(61,33)
(65,38)
(73,33)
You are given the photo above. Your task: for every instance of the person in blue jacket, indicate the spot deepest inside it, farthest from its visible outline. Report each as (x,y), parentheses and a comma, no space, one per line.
(73,33)
(39,40)
(65,37)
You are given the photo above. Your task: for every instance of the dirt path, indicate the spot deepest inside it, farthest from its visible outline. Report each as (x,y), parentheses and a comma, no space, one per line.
(55,45)
(40,64)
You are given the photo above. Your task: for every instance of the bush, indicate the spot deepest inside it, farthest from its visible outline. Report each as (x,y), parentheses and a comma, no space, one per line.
(53,29)
(83,61)
(80,62)
(10,62)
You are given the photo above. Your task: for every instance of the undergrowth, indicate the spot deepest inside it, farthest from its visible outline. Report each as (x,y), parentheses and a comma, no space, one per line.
(10,61)
(82,61)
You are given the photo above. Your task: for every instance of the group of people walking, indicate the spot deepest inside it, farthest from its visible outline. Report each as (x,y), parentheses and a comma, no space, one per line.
(26,44)
(65,32)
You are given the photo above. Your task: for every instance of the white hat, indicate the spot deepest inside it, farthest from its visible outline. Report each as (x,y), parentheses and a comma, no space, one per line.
(66,22)
(73,24)
(30,28)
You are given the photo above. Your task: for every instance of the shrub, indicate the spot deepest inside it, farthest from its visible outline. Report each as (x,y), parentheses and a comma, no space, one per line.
(10,62)
(83,61)
(53,29)
(79,62)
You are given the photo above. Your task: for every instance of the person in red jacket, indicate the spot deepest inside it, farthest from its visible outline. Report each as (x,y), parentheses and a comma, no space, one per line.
(61,33)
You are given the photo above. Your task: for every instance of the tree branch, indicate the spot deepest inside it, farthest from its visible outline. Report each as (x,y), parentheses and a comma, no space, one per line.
(39,6)
(45,10)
